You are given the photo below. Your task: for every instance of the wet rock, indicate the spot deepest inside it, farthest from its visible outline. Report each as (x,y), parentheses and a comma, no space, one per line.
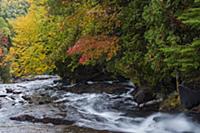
(9,90)
(61,82)
(55,121)
(27,98)
(98,111)
(38,99)
(189,97)
(32,78)
(194,114)
(171,103)
(196,109)
(75,129)
(115,88)
(17,92)
(20,86)
(31,128)
(3,95)
(143,95)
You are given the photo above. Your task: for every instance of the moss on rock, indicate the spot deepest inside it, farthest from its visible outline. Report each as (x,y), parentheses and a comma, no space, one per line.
(171,103)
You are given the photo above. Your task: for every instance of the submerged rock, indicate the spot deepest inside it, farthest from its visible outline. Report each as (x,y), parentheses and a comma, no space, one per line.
(45,120)
(143,95)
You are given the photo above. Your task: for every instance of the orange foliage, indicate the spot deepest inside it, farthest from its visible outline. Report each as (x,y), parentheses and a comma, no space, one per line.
(1,52)
(92,48)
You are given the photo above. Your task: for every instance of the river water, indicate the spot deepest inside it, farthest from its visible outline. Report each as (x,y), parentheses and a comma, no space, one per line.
(100,112)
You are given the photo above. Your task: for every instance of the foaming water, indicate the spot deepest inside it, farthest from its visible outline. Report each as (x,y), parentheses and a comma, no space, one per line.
(35,84)
(100,111)
(109,112)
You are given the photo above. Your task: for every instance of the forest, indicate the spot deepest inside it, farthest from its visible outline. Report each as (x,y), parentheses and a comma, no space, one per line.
(154,43)
(100,66)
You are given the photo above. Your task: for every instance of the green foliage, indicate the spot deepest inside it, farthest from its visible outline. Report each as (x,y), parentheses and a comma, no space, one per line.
(13,8)
(146,41)
(184,56)
(4,42)
(191,15)
(158,38)
(81,19)
(4,26)
(133,47)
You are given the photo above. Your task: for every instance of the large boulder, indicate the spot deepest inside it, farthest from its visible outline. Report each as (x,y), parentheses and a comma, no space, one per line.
(143,95)
(189,97)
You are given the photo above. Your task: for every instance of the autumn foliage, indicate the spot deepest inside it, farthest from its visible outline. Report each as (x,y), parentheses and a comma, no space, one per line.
(140,40)
(3,42)
(93,48)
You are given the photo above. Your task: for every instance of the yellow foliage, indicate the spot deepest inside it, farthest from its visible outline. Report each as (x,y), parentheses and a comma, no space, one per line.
(1,52)
(29,52)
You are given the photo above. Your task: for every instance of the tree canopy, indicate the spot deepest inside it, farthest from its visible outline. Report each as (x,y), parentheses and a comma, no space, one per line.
(148,41)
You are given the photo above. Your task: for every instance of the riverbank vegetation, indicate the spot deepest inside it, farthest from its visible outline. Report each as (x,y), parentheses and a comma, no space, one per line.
(154,43)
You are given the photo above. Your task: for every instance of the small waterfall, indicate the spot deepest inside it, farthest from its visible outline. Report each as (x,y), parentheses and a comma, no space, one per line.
(99,111)
(109,112)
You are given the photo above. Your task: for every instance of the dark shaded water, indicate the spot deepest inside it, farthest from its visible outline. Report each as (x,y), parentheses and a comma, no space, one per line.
(38,106)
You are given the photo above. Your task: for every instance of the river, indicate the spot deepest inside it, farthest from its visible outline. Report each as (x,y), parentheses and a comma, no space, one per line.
(43,106)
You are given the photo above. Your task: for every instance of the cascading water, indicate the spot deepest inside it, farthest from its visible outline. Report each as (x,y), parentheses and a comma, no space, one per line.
(108,112)
(99,111)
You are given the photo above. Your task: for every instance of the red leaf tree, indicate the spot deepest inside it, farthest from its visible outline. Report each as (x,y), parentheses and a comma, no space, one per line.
(3,42)
(94,47)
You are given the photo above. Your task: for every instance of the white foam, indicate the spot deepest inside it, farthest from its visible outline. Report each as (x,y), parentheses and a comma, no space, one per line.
(36,84)
(106,111)
(95,113)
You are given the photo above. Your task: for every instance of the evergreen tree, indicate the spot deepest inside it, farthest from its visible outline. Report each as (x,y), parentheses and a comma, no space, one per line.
(130,62)
(184,57)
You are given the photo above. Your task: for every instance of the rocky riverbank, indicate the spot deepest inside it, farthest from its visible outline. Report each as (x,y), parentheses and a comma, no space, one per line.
(46,105)
(29,106)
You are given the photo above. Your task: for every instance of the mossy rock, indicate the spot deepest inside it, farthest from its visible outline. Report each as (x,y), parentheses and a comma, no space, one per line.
(171,103)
